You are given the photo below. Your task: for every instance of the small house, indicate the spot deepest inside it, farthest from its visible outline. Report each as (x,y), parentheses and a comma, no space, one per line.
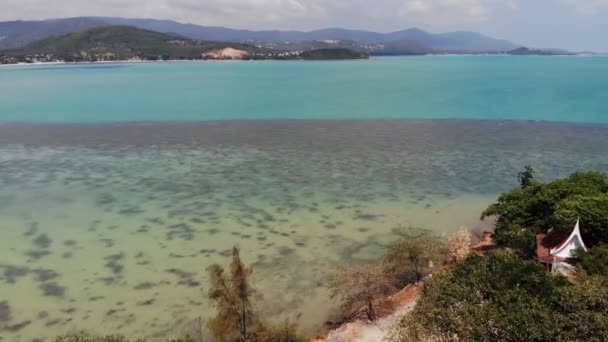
(554,249)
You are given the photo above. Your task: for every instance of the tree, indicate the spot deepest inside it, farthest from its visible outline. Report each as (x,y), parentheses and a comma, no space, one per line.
(526,177)
(592,212)
(412,256)
(523,213)
(284,332)
(232,296)
(459,246)
(358,287)
(501,297)
(594,261)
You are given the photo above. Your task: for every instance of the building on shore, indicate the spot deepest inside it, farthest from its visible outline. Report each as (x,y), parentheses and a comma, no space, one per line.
(555,249)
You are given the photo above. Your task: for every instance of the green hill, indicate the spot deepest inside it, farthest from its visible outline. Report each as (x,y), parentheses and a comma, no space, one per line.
(332,54)
(116,43)
(121,43)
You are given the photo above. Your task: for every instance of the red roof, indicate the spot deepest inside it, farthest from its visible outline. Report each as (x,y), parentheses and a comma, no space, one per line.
(556,239)
(542,252)
(553,240)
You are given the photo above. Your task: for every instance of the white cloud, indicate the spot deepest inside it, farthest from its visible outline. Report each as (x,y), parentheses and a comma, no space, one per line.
(587,7)
(450,13)
(210,12)
(415,7)
(513,5)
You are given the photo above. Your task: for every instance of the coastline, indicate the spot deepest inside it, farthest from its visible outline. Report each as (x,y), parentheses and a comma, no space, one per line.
(291,121)
(61,63)
(371,57)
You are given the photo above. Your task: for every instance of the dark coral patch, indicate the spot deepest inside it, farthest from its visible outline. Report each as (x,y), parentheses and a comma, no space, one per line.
(146,302)
(16,327)
(105,199)
(44,275)
(37,255)
(52,290)
(285,251)
(366,217)
(42,241)
(69,310)
(143,228)
(184,278)
(144,286)
(5,311)
(225,253)
(52,322)
(13,273)
(181,230)
(131,210)
(108,242)
(113,263)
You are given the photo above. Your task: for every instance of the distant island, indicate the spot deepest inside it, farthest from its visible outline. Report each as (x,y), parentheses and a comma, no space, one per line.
(277,44)
(523,51)
(125,43)
(96,39)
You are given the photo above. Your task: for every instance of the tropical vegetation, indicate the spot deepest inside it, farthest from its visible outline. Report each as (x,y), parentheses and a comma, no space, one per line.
(537,207)
(503,295)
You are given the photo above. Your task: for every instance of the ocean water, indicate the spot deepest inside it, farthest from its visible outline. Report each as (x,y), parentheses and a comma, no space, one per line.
(572,89)
(120,184)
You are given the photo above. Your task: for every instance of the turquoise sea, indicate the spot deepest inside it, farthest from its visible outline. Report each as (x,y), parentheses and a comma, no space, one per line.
(121,183)
(572,89)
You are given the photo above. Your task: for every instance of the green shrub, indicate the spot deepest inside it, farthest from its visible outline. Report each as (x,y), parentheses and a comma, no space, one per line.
(110,338)
(500,297)
(537,207)
(85,338)
(595,261)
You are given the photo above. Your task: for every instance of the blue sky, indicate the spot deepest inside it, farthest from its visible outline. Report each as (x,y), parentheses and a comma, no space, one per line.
(571,24)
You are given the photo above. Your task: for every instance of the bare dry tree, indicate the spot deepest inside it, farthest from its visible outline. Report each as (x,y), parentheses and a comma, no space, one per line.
(459,245)
(232,296)
(413,255)
(358,287)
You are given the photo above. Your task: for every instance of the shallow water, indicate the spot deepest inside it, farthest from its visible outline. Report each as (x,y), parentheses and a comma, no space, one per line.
(109,227)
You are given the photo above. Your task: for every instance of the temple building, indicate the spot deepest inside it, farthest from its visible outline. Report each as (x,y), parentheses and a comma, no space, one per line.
(555,249)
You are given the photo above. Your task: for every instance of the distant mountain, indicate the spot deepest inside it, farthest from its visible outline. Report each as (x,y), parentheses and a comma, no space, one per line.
(18,34)
(446,42)
(452,41)
(15,34)
(117,43)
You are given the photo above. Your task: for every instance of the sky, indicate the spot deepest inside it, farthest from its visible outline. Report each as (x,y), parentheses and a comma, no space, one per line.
(572,24)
